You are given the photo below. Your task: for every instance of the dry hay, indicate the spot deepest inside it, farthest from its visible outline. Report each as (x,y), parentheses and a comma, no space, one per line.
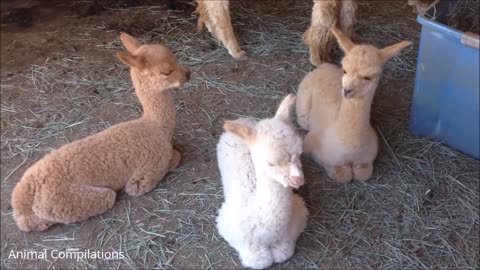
(419,211)
(461,15)
(464,15)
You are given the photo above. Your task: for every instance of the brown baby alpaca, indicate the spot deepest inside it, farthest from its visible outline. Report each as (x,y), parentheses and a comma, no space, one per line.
(334,106)
(81,179)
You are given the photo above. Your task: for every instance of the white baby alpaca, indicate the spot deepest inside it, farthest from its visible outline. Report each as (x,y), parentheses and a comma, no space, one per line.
(260,164)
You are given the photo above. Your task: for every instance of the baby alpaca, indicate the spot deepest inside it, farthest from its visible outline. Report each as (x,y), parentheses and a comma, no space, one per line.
(260,164)
(334,105)
(81,179)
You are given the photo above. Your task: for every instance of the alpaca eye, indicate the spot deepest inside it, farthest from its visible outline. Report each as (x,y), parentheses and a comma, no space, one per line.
(167,73)
(344,71)
(367,78)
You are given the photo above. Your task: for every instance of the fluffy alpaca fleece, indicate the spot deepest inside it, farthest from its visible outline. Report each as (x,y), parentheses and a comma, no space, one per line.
(81,179)
(418,6)
(334,105)
(327,14)
(216,16)
(260,164)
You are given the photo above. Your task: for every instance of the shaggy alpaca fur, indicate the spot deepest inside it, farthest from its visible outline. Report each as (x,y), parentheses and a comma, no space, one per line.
(326,14)
(260,164)
(419,6)
(216,16)
(81,179)
(334,105)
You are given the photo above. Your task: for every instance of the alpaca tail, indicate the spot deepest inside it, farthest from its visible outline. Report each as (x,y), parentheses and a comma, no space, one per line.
(22,202)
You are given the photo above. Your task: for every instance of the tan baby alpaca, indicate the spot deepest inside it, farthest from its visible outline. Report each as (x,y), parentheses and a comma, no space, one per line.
(81,179)
(335,107)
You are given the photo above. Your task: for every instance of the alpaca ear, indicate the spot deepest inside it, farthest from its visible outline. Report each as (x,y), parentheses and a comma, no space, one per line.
(345,43)
(130,43)
(285,109)
(131,60)
(393,50)
(243,131)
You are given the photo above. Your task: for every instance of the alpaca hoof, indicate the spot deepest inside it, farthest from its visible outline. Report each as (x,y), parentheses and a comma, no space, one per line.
(175,160)
(138,186)
(282,252)
(135,189)
(258,263)
(110,199)
(32,223)
(341,174)
(239,54)
(258,260)
(43,226)
(362,172)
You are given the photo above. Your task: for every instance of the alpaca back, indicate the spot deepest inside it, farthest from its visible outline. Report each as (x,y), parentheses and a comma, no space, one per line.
(323,87)
(236,168)
(108,158)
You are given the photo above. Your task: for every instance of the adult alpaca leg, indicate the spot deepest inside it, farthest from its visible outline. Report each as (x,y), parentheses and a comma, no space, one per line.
(348,17)
(216,16)
(318,36)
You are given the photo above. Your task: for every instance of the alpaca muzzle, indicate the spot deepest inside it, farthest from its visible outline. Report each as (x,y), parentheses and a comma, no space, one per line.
(348,93)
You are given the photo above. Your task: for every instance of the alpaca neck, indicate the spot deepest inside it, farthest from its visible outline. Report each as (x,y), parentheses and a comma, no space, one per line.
(272,196)
(157,103)
(355,113)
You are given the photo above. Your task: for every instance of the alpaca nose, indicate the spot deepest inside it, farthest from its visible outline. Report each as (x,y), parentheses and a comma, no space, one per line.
(297,180)
(347,91)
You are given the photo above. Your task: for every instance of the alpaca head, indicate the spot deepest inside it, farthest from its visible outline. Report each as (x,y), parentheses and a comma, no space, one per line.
(274,144)
(363,65)
(155,63)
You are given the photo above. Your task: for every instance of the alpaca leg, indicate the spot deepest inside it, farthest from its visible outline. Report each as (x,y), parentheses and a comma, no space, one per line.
(143,182)
(417,5)
(340,173)
(216,16)
(39,224)
(256,257)
(175,160)
(348,17)
(318,37)
(73,203)
(299,219)
(362,172)
(22,203)
(303,107)
(282,251)
(32,222)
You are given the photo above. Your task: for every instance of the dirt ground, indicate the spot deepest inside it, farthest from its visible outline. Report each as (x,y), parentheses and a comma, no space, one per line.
(60,81)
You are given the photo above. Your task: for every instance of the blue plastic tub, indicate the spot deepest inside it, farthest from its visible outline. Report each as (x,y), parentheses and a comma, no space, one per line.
(446,96)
